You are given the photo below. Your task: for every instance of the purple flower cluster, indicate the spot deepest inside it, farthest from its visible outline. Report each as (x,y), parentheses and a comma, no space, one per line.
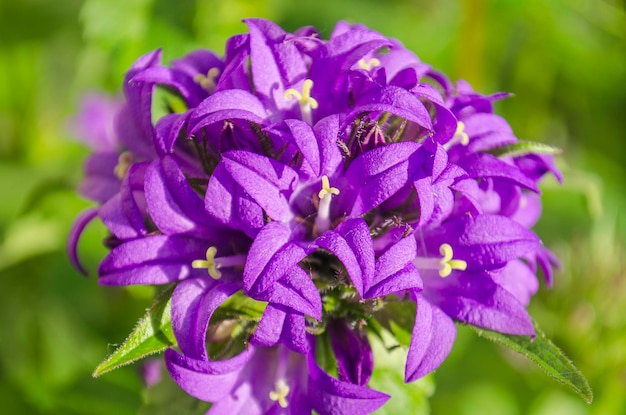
(323,180)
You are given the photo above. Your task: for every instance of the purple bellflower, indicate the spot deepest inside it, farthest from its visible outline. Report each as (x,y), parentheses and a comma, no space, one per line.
(321,180)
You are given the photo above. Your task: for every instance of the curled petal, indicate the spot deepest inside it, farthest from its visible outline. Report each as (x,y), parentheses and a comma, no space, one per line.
(431,341)
(352,245)
(193,302)
(72,241)
(279,325)
(203,379)
(330,396)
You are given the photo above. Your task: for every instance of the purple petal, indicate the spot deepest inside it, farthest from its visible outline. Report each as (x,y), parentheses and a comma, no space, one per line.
(270,257)
(394,100)
(230,204)
(279,325)
(431,341)
(394,270)
(72,240)
(480,165)
(355,360)
(476,299)
(517,279)
(276,64)
(352,244)
(206,380)
(376,175)
(156,259)
(330,396)
(121,214)
(174,206)
(268,182)
(100,182)
(485,242)
(193,302)
(224,105)
(139,95)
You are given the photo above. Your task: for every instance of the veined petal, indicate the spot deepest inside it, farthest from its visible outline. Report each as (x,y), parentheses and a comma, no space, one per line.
(480,165)
(352,244)
(279,325)
(225,105)
(485,241)
(431,341)
(376,175)
(203,379)
(193,302)
(395,271)
(330,396)
(230,204)
(276,64)
(268,182)
(174,206)
(394,100)
(476,299)
(355,360)
(270,257)
(156,259)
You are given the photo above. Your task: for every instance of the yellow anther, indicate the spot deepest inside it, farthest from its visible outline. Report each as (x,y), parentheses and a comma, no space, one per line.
(326,189)
(207,82)
(210,263)
(447,264)
(124,162)
(305,97)
(369,64)
(280,394)
(460,133)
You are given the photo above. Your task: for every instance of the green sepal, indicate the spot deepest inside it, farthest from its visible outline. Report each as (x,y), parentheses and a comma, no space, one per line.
(522,148)
(152,334)
(544,354)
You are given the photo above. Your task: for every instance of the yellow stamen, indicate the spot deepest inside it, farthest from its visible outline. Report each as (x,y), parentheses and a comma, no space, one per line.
(306,101)
(209,263)
(447,264)
(369,64)
(280,394)
(460,133)
(326,189)
(124,162)
(207,82)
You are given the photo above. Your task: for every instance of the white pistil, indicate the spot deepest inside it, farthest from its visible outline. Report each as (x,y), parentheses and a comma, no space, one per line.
(213,264)
(369,64)
(280,393)
(460,136)
(306,101)
(207,82)
(444,265)
(322,221)
(124,161)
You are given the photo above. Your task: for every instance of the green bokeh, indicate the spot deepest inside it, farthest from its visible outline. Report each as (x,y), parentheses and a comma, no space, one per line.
(565,61)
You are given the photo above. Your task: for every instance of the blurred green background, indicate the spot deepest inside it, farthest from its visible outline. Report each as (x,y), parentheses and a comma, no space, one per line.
(565,61)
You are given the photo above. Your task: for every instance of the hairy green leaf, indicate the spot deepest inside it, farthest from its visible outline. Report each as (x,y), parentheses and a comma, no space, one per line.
(546,355)
(152,334)
(522,148)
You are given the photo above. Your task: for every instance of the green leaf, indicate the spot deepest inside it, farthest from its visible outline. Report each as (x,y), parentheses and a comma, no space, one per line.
(546,355)
(522,148)
(153,334)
